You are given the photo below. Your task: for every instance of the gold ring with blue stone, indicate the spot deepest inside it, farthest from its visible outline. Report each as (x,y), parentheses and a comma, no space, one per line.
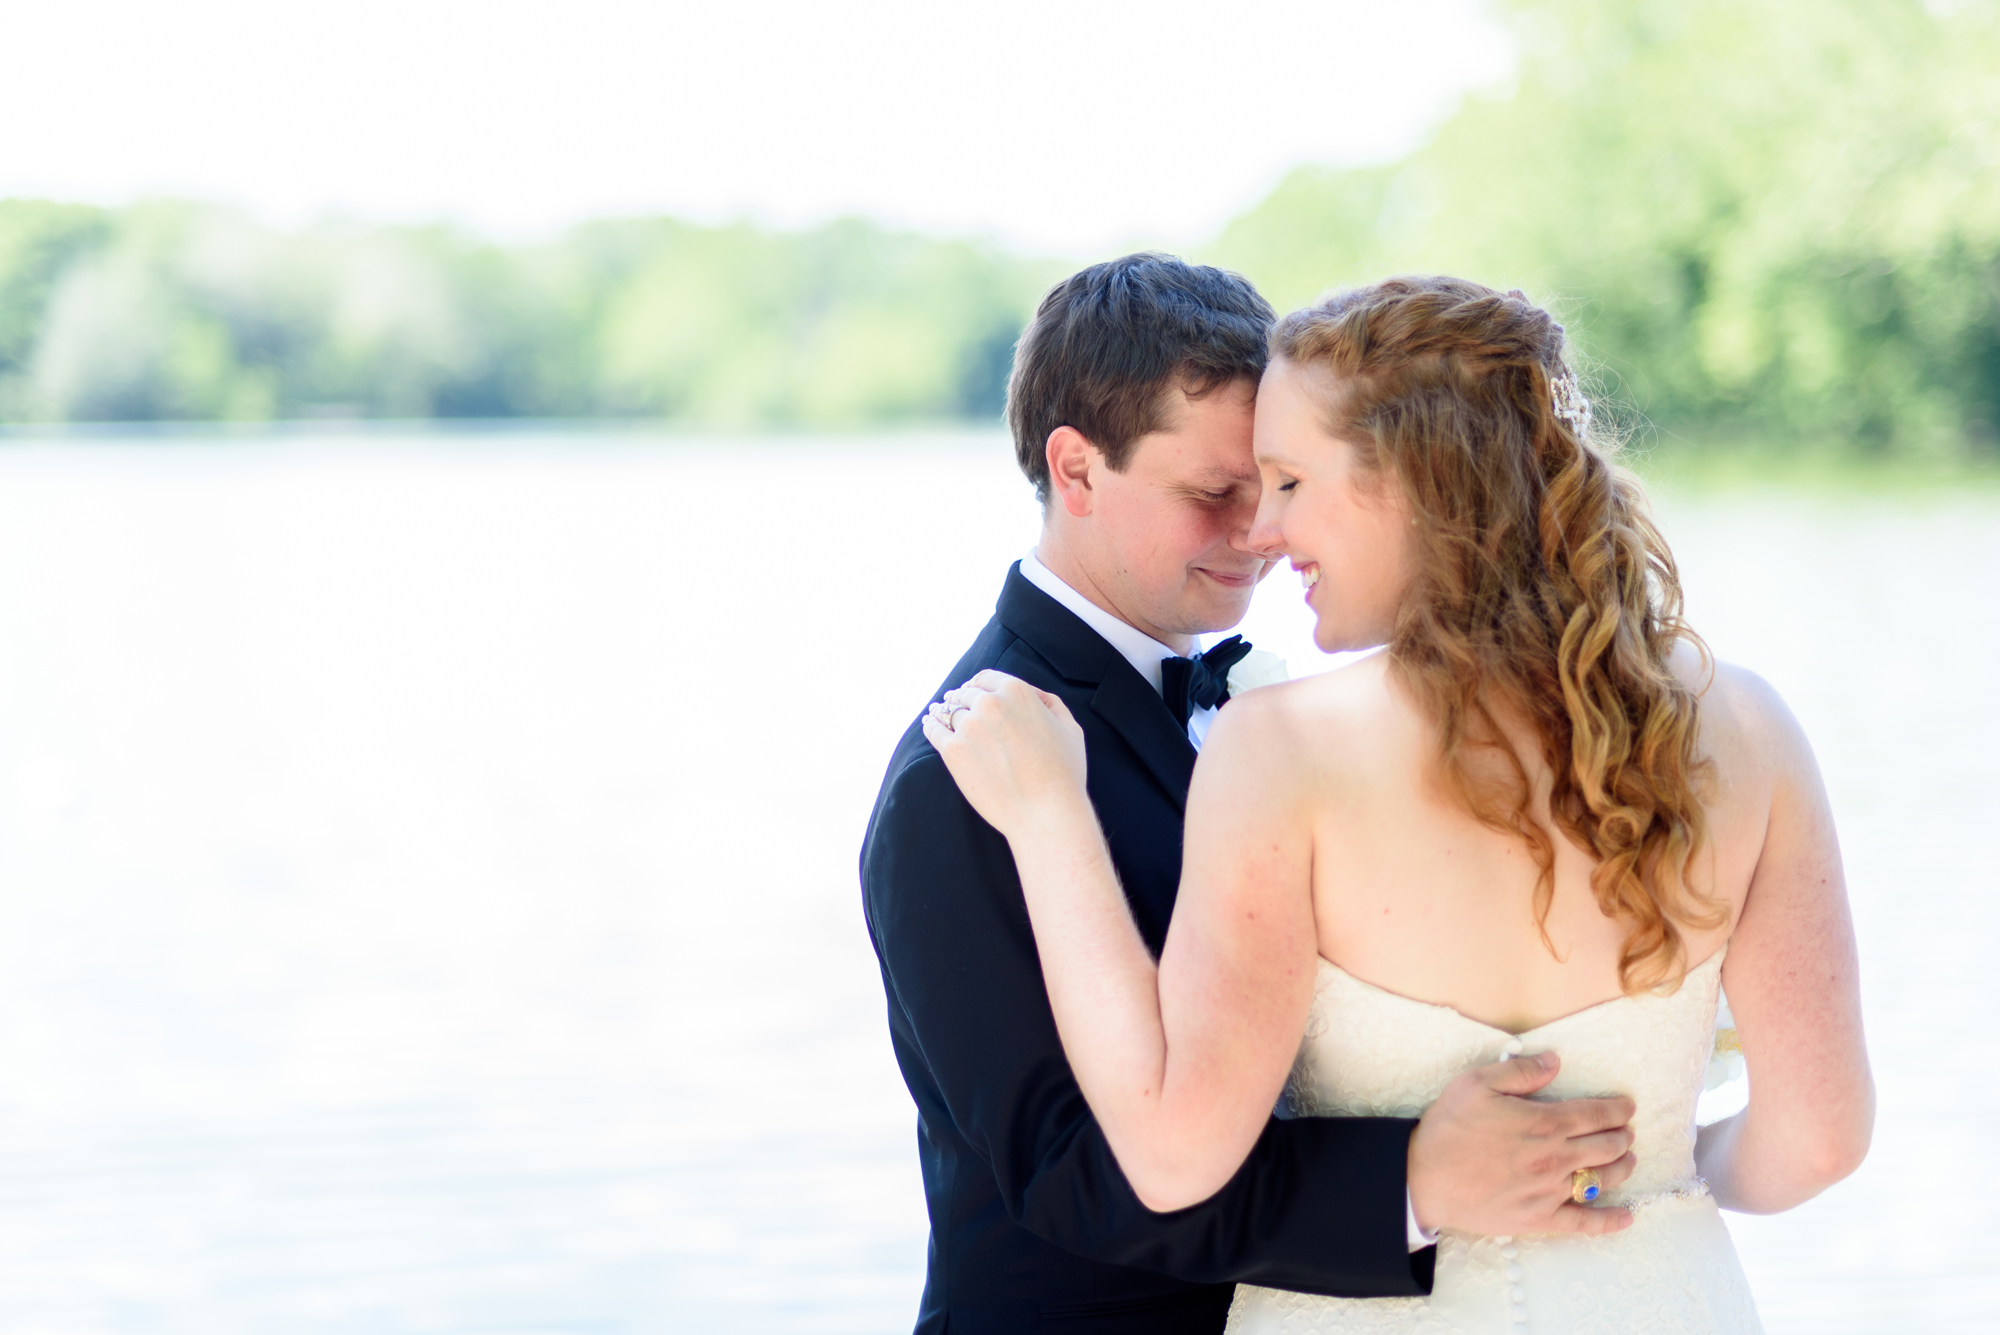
(1585,1186)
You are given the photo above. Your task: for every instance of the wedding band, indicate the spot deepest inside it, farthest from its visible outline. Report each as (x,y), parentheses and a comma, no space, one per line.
(1585,1186)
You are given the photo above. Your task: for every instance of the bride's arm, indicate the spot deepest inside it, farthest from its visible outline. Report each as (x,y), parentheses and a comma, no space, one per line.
(1793,981)
(1181,1061)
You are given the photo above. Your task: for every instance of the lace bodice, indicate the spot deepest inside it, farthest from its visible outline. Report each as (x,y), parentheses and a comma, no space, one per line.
(1370,1052)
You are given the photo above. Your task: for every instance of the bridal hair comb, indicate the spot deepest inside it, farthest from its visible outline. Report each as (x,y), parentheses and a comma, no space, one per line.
(1570,404)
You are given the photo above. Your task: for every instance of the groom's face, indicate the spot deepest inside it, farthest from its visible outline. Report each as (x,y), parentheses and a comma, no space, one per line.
(1169,532)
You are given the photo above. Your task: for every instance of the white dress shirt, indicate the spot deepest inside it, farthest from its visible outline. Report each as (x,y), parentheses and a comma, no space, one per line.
(1141,650)
(1146,654)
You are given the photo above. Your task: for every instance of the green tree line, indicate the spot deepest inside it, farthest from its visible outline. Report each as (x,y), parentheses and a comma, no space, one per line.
(1775,220)
(172,310)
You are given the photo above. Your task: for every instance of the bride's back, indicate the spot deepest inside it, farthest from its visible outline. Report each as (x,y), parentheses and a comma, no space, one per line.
(1419,897)
(1416,898)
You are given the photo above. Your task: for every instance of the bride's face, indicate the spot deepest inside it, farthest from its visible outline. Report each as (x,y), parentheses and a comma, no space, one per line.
(1346,530)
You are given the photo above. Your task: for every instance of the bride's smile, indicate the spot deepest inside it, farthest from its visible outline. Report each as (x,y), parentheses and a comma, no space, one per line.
(1344,528)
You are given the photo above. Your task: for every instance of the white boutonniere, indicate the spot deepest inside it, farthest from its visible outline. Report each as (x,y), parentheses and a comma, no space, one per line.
(1257,668)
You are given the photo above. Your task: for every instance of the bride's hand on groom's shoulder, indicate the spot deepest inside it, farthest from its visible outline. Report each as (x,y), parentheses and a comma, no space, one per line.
(1015,751)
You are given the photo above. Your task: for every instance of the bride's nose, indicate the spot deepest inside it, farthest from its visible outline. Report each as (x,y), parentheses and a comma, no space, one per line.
(1264,537)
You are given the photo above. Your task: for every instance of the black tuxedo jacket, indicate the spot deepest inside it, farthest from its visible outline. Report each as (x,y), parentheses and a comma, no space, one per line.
(1031,1220)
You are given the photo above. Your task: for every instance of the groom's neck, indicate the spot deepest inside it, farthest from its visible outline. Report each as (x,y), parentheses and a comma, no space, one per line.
(1075,568)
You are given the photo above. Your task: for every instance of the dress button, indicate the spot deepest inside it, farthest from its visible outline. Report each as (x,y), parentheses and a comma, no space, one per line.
(1520,1313)
(1509,1253)
(1520,1295)
(1513,1047)
(1503,1238)
(1520,1328)
(1514,1273)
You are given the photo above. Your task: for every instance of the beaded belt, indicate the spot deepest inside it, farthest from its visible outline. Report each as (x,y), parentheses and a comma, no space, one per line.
(1694,1190)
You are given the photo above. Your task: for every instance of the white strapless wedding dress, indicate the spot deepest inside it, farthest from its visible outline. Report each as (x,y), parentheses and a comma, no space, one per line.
(1368,1052)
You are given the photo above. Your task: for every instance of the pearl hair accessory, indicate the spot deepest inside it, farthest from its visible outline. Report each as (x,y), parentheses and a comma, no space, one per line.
(1570,405)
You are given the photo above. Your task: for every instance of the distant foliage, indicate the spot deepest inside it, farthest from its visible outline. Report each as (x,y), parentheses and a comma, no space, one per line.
(1777,219)
(177,311)
(1769,219)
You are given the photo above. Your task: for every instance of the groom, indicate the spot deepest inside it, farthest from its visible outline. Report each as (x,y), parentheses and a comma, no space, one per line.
(1131,405)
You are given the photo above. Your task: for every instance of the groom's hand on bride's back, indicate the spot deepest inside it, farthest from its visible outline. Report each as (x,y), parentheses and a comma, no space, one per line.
(1487,1159)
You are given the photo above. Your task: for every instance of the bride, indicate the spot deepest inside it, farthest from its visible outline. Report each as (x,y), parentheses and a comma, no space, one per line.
(1542,822)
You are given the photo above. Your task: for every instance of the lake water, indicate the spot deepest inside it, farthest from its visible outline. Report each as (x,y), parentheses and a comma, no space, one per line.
(427,875)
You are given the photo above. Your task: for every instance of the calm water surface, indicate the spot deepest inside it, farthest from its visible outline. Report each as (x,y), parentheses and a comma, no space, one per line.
(427,894)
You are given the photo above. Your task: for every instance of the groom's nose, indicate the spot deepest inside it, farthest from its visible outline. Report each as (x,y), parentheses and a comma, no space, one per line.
(1242,519)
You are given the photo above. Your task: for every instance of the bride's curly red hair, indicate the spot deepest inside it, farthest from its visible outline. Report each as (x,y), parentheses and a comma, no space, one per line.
(1542,588)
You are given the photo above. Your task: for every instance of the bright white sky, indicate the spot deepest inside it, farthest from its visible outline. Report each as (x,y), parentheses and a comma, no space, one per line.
(1064,125)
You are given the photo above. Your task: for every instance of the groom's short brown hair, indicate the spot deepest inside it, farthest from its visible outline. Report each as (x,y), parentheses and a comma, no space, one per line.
(1107,343)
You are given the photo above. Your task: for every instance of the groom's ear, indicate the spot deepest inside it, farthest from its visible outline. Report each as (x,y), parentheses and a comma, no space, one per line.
(1071,457)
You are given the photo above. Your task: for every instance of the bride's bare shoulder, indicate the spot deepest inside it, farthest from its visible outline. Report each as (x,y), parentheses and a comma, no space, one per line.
(1742,714)
(1326,723)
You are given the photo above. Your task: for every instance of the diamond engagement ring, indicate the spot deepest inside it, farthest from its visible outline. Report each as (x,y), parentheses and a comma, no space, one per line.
(1585,1186)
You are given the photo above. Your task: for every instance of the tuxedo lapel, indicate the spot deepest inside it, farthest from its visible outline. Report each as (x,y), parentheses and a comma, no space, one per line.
(1136,712)
(1124,700)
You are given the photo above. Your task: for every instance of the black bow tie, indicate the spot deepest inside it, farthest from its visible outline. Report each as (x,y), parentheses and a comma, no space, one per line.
(1201,682)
